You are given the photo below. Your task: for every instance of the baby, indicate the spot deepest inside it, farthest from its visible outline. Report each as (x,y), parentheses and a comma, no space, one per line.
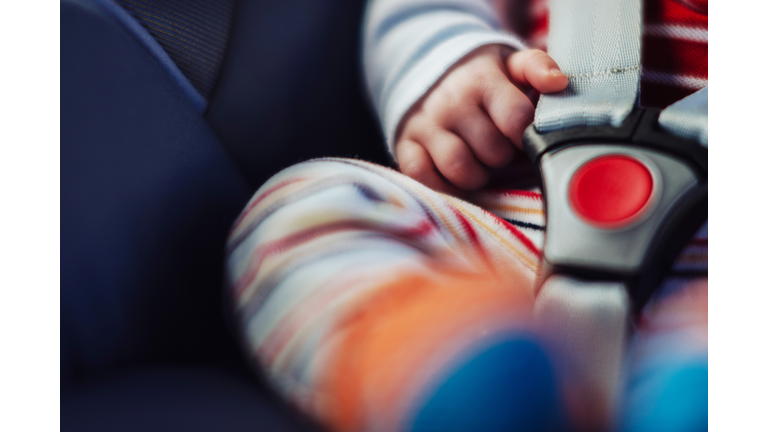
(373,302)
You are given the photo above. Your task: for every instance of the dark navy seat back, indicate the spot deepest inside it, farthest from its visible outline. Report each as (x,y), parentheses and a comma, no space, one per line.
(291,88)
(193,33)
(151,180)
(147,197)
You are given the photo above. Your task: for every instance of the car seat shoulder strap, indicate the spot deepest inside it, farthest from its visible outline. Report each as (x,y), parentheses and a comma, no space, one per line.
(688,117)
(623,187)
(596,43)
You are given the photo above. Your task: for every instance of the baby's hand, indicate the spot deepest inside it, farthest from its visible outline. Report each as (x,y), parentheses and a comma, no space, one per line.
(470,119)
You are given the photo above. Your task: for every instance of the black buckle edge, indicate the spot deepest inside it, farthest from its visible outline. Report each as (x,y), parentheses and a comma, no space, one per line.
(639,128)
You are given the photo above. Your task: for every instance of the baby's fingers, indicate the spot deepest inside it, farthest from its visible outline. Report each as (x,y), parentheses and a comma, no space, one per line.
(486,141)
(537,69)
(510,109)
(454,159)
(416,163)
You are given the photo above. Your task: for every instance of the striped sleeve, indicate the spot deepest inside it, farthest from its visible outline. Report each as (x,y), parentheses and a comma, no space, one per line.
(409,44)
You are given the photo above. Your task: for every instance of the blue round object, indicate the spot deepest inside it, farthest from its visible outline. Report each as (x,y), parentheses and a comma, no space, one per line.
(507,387)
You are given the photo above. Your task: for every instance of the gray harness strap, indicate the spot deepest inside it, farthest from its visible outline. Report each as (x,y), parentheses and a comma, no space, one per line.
(596,43)
(587,325)
(688,117)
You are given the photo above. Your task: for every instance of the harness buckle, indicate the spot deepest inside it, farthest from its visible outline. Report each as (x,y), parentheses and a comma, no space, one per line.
(620,202)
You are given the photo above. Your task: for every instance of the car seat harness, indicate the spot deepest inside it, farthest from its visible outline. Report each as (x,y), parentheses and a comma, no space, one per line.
(624,187)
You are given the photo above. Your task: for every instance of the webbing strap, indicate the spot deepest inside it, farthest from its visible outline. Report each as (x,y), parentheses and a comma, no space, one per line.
(688,117)
(587,325)
(596,43)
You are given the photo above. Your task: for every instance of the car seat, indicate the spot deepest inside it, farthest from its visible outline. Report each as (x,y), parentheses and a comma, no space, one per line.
(172,114)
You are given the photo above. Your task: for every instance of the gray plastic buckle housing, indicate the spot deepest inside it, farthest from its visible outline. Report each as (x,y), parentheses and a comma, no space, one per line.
(638,253)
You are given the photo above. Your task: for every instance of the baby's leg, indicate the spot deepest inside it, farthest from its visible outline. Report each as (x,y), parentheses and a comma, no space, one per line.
(373,302)
(667,371)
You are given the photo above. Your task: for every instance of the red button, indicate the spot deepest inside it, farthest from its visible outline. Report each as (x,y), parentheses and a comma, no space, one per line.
(610,190)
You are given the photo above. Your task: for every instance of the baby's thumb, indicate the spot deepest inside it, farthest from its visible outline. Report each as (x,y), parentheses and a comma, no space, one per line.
(537,69)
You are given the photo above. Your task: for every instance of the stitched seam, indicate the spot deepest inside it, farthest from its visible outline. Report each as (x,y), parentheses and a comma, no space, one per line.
(614,71)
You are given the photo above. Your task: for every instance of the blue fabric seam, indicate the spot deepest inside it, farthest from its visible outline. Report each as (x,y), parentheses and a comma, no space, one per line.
(143,36)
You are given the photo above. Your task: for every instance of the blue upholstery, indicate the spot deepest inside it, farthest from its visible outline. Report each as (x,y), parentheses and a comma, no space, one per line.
(290,88)
(149,190)
(147,197)
(146,40)
(185,399)
(194,34)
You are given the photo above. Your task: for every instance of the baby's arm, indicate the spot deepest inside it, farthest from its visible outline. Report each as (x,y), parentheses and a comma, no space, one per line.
(449,93)
(471,118)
